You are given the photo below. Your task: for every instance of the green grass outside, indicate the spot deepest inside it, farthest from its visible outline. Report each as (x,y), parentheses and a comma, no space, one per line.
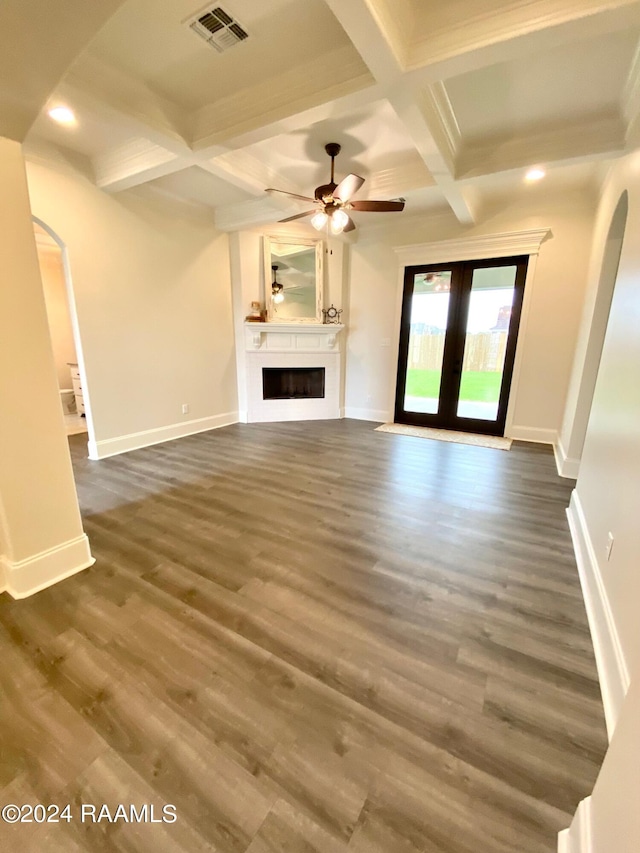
(476,386)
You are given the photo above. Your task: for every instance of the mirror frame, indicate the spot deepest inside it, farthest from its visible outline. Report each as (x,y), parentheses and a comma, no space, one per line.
(298,241)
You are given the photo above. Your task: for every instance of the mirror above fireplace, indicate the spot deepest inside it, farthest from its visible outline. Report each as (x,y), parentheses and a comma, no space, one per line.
(293,278)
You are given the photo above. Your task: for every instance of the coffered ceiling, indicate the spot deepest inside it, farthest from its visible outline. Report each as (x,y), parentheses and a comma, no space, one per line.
(444,104)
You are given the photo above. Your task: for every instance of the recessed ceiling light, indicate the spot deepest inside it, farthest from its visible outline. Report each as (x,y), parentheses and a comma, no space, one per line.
(63,115)
(535,175)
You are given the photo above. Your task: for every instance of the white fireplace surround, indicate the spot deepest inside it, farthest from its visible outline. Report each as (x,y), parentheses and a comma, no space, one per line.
(293,345)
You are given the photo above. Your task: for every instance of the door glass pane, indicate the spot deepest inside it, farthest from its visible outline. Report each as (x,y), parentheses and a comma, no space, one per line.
(485,345)
(429,312)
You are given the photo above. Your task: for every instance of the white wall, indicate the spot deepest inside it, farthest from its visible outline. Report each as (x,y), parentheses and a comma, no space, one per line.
(608,491)
(547,339)
(153,300)
(615,817)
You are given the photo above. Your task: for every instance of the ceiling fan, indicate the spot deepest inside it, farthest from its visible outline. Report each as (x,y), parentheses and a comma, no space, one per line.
(334,200)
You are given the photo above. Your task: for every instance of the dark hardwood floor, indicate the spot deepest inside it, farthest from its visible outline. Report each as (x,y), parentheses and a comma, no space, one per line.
(309,638)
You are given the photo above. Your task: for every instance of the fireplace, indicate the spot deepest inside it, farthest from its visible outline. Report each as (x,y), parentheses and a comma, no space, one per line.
(291,372)
(292,383)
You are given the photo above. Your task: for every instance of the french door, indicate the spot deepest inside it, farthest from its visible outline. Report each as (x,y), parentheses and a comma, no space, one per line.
(457,344)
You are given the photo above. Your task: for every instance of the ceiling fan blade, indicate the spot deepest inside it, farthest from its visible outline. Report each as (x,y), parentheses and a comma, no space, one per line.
(380,206)
(297,216)
(350,226)
(291,195)
(347,187)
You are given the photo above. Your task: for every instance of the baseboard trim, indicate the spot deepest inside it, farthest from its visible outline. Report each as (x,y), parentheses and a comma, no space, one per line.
(612,668)
(136,440)
(378,415)
(26,577)
(567,467)
(534,434)
(578,838)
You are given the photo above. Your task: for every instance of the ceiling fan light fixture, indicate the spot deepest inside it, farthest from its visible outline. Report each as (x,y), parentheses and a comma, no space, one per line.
(338,221)
(333,200)
(319,220)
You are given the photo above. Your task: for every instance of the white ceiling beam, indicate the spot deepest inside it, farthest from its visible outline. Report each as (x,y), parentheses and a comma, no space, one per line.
(432,130)
(135,163)
(158,148)
(428,119)
(321,81)
(345,105)
(412,174)
(166,139)
(370,37)
(96,85)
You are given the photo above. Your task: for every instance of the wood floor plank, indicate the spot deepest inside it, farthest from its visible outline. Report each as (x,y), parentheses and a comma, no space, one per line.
(310,638)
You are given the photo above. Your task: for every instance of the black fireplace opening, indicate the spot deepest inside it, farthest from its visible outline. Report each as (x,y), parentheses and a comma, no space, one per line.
(292,383)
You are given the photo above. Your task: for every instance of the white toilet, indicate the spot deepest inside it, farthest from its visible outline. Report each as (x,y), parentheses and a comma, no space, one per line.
(68,400)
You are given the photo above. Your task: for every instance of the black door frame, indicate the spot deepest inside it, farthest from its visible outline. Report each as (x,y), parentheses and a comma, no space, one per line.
(461,282)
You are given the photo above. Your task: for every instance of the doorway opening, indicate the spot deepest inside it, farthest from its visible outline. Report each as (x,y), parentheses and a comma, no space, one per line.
(63,329)
(458,338)
(587,363)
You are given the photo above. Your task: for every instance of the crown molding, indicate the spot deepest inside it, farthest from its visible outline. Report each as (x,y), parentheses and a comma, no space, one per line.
(442,121)
(505,245)
(443,40)
(630,100)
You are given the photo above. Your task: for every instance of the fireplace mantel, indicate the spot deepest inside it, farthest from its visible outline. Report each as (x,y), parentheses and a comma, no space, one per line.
(292,337)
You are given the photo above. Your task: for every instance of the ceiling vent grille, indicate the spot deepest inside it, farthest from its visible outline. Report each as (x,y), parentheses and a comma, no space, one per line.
(218,28)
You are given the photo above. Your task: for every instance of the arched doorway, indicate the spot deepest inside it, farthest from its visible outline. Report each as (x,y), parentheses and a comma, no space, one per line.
(574,433)
(64,327)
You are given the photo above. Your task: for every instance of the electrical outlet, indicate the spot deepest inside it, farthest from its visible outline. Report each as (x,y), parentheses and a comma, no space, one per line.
(185,408)
(609,545)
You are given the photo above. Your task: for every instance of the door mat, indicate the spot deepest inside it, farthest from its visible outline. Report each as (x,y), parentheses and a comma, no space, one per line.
(496,442)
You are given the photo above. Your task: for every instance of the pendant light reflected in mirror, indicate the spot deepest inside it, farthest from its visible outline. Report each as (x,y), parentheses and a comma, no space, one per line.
(277,289)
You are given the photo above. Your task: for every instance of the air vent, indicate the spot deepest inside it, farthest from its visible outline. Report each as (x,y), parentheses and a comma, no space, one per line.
(218,28)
